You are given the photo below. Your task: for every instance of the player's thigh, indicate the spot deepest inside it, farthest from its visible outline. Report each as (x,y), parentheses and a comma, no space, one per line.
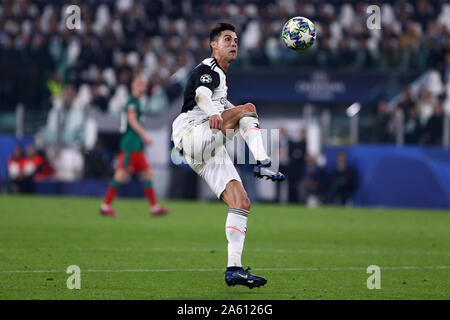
(235,195)
(125,161)
(141,165)
(232,116)
(217,171)
(201,143)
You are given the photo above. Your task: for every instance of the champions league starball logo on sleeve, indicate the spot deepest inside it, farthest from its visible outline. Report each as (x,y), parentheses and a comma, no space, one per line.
(206,78)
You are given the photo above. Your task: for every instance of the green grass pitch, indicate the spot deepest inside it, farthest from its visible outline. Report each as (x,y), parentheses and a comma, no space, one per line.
(320,253)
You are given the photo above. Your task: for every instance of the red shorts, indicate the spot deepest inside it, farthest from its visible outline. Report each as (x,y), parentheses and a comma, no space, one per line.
(132,161)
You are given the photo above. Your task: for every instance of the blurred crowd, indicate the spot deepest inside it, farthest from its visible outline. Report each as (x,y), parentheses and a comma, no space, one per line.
(309,180)
(65,72)
(121,37)
(418,117)
(26,167)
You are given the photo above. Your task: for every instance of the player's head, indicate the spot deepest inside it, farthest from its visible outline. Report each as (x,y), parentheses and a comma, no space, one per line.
(139,85)
(223,41)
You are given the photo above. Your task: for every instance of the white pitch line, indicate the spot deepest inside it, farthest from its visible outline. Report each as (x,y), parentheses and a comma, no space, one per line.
(317,251)
(259,269)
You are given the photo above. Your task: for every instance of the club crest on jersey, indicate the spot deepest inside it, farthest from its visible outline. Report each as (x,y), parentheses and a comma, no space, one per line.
(205,78)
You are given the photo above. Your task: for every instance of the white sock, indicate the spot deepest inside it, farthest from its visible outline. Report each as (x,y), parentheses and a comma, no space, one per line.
(235,229)
(249,129)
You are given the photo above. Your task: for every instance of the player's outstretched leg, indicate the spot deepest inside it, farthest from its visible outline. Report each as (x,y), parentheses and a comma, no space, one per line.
(120,176)
(106,209)
(246,120)
(147,183)
(235,229)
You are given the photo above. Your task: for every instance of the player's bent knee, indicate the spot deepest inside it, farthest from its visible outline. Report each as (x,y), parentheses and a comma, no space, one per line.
(244,203)
(250,107)
(121,175)
(147,175)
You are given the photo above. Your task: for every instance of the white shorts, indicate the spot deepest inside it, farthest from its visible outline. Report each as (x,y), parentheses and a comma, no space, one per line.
(206,154)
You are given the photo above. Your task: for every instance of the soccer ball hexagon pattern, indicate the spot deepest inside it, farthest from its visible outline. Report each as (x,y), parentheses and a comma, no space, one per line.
(299,33)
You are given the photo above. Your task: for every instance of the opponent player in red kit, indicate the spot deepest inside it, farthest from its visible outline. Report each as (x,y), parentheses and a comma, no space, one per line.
(132,158)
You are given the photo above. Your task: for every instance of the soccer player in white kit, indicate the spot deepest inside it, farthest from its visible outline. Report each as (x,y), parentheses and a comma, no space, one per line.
(207,119)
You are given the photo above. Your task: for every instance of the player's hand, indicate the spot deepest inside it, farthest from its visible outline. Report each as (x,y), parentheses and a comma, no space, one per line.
(147,140)
(215,122)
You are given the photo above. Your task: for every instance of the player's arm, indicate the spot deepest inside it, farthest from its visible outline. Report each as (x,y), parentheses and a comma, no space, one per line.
(134,123)
(229,105)
(203,99)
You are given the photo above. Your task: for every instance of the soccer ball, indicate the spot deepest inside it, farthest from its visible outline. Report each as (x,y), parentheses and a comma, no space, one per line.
(299,33)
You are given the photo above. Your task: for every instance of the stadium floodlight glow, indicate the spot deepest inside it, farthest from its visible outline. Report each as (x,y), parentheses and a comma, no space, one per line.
(353,109)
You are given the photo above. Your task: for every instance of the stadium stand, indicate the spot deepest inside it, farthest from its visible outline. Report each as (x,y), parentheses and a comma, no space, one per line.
(76,77)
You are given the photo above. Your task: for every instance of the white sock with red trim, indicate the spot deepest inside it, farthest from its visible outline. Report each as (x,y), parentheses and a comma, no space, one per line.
(235,229)
(249,129)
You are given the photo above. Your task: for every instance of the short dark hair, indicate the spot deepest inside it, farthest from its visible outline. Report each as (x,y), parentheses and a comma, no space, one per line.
(218,28)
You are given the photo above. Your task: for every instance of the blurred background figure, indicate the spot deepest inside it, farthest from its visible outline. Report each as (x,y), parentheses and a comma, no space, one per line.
(312,186)
(407,103)
(413,128)
(26,168)
(342,182)
(380,124)
(15,171)
(63,90)
(98,162)
(31,165)
(432,133)
(43,169)
(296,165)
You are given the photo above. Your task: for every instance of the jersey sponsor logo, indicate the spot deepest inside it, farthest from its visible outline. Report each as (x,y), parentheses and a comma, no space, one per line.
(205,78)
(223,101)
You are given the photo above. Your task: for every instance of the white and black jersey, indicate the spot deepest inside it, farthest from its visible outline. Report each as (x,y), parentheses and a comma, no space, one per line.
(207,74)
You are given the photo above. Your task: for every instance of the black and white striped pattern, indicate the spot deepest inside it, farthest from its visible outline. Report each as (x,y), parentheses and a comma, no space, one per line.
(207,74)
(213,64)
(240,212)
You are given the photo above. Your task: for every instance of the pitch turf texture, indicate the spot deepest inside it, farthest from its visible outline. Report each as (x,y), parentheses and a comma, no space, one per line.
(320,253)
